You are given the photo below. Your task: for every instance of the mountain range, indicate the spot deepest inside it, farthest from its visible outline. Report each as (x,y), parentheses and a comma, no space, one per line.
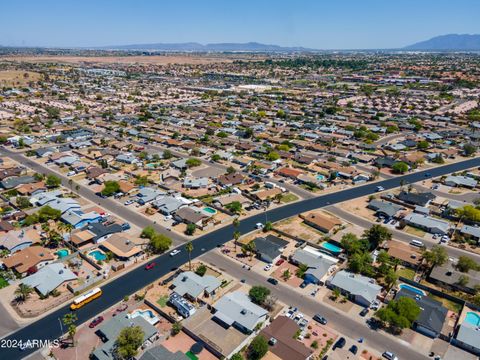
(216,47)
(455,42)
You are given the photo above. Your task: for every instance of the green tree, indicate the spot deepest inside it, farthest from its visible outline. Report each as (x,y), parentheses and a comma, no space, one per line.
(301,270)
(390,279)
(176,328)
(235,207)
(160,243)
(193,162)
(469,149)
(423,145)
(268,226)
(258,348)
(272,156)
(148,232)
(167,154)
(376,235)
(352,244)
(23,202)
(141,181)
(466,263)
(110,188)
(48,213)
(53,181)
(399,314)
(436,256)
(201,270)
(237,356)
(400,167)
(190,229)
(129,341)
(258,294)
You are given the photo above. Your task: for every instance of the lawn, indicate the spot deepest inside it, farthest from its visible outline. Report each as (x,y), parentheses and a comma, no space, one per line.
(287,198)
(163,301)
(450,305)
(414,231)
(3,283)
(406,273)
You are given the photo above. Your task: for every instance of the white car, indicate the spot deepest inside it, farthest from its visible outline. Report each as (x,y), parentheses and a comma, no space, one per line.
(389,355)
(71,173)
(259,225)
(380,188)
(128,202)
(267,267)
(174,252)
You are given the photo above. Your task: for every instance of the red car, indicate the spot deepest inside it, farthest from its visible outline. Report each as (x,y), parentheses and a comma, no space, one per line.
(150,266)
(280,262)
(95,322)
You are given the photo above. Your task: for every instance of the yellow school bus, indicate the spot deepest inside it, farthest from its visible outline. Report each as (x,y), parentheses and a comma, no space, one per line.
(86,298)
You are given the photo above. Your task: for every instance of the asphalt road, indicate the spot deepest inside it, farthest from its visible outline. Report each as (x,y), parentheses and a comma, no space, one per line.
(108,204)
(114,291)
(343,323)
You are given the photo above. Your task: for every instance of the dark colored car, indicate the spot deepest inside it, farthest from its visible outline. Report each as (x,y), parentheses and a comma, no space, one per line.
(95,322)
(364,312)
(303,285)
(353,349)
(319,318)
(150,266)
(272,281)
(340,343)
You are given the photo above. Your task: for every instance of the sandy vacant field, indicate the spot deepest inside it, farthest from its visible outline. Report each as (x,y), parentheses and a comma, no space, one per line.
(156,59)
(13,77)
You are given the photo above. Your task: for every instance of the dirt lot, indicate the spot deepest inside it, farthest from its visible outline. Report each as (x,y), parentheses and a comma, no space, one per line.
(17,78)
(155,60)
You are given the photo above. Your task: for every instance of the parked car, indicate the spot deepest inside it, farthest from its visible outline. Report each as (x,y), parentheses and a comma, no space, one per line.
(125,226)
(95,322)
(339,344)
(128,202)
(174,252)
(353,349)
(389,355)
(280,262)
(272,281)
(71,173)
(320,319)
(150,266)
(364,312)
(300,243)
(267,267)
(259,226)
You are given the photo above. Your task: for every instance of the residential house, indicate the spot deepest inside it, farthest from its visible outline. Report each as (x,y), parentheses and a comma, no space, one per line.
(408,255)
(420,199)
(49,278)
(460,181)
(432,315)
(359,289)
(448,276)
(427,223)
(318,264)
(160,352)
(110,329)
(237,310)
(269,248)
(193,286)
(29,260)
(384,209)
(78,219)
(320,222)
(282,336)
(122,247)
(17,240)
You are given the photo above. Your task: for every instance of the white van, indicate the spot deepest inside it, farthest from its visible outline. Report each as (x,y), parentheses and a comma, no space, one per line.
(416,243)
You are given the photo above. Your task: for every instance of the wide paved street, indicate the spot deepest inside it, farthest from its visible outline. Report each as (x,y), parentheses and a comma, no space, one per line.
(48,327)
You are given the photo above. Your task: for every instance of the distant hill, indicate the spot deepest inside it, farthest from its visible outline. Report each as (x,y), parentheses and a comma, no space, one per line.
(219,47)
(459,42)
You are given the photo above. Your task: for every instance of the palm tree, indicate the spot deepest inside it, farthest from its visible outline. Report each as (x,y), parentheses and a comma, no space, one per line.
(236,236)
(189,249)
(251,248)
(23,292)
(69,321)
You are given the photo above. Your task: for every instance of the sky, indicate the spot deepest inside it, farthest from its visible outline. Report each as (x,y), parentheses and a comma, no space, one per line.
(318,24)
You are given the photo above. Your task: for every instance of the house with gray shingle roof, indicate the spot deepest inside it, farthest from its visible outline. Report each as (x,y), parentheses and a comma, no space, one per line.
(384,208)
(49,278)
(237,310)
(360,289)
(318,264)
(428,223)
(195,286)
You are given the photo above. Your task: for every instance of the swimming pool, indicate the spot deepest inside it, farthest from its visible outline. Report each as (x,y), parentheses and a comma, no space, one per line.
(473,318)
(146,314)
(320,177)
(209,210)
(62,253)
(98,255)
(331,247)
(412,289)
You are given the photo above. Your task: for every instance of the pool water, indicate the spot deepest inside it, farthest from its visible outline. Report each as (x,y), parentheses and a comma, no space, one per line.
(412,289)
(320,178)
(98,255)
(473,318)
(209,210)
(146,314)
(62,253)
(331,247)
